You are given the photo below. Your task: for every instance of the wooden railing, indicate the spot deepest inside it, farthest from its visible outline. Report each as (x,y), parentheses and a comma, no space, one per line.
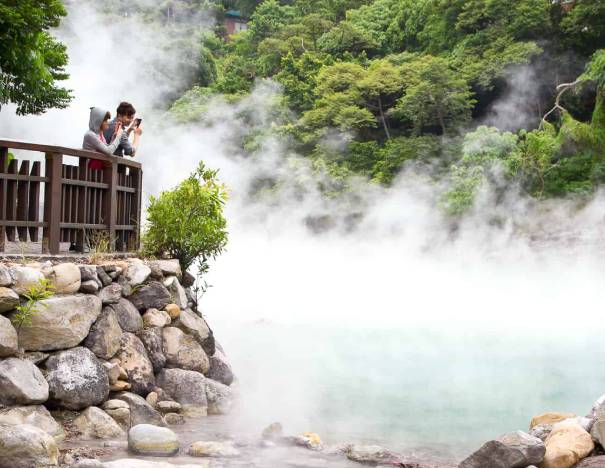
(83,206)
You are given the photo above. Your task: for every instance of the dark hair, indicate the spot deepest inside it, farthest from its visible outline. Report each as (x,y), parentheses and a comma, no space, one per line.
(107,116)
(125,108)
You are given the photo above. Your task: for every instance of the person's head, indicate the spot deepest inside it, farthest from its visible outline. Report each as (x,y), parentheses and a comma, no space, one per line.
(99,119)
(125,113)
(105,124)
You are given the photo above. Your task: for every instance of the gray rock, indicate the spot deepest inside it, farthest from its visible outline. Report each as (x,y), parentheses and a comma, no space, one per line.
(66,278)
(220,369)
(26,446)
(115,404)
(597,430)
(34,415)
(541,431)
(94,423)
(25,277)
(592,462)
(21,383)
(197,327)
(105,335)
(88,463)
(186,387)
(89,287)
(128,316)
(121,416)
(152,295)
(103,276)
(156,318)
(137,272)
(8,338)
(111,294)
(183,351)
(6,280)
(76,379)
(113,371)
(169,267)
(9,299)
(141,412)
(174,419)
(136,363)
(513,450)
(36,357)
(156,271)
(134,463)
(372,454)
(60,322)
(152,340)
(219,396)
(188,280)
(88,273)
(176,291)
(169,407)
(149,440)
(213,449)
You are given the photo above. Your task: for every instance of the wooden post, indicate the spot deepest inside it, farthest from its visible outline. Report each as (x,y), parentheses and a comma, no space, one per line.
(34,202)
(3,168)
(52,204)
(82,211)
(110,208)
(137,183)
(23,200)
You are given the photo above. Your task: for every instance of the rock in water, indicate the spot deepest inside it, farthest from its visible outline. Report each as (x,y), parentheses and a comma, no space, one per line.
(8,338)
(186,387)
(513,450)
(35,415)
(9,299)
(26,446)
(105,335)
(128,316)
(21,383)
(372,454)
(136,363)
(183,351)
(152,340)
(60,322)
(549,418)
(213,449)
(94,423)
(141,412)
(152,295)
(197,327)
(146,439)
(219,396)
(566,445)
(76,379)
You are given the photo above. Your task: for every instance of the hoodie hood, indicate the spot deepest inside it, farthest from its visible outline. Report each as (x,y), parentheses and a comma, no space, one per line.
(97,115)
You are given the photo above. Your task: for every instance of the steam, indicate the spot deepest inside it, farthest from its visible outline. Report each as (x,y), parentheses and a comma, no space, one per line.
(368,316)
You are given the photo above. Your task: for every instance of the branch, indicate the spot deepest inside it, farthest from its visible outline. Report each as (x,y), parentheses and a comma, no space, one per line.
(561,89)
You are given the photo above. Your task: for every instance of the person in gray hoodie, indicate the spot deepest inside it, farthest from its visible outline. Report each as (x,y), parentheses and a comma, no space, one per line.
(94,140)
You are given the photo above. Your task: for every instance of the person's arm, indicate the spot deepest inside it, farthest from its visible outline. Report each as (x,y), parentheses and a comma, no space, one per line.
(129,149)
(93,141)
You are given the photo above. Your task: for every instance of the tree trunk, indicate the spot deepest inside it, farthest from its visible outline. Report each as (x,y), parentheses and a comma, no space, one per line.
(384,122)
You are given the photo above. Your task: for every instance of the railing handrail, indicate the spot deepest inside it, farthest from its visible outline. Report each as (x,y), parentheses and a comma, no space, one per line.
(29,146)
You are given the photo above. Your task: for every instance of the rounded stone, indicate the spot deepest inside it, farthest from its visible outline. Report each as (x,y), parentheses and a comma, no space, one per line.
(26,446)
(146,439)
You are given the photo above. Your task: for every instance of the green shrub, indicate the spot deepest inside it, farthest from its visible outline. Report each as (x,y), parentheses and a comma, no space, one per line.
(25,311)
(187,222)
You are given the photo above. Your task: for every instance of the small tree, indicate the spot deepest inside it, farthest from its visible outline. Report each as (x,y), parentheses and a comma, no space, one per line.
(187,222)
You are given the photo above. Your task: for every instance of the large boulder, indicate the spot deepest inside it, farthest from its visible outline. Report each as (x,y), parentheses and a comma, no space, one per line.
(219,396)
(60,322)
(136,363)
(25,277)
(220,369)
(513,450)
(186,387)
(9,299)
(129,318)
(592,462)
(34,415)
(152,340)
(26,446)
(152,295)
(8,338)
(183,351)
(170,267)
(566,445)
(21,383)
(137,272)
(196,326)
(66,278)
(149,440)
(6,280)
(176,291)
(141,412)
(94,423)
(111,294)
(105,335)
(76,379)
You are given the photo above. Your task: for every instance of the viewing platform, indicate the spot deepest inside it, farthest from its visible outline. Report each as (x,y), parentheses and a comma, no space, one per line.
(74,204)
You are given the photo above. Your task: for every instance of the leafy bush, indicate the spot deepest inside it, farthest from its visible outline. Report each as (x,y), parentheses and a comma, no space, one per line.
(187,222)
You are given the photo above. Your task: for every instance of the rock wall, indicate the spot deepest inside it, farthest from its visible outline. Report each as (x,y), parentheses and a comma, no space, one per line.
(122,343)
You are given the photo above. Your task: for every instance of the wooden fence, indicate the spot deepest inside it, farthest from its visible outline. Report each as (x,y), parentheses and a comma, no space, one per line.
(81,205)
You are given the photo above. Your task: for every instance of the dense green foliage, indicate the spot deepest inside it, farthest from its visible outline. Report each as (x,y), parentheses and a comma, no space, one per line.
(31,60)
(187,222)
(409,82)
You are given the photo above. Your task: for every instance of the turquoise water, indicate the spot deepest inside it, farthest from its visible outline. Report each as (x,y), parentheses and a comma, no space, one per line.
(414,390)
